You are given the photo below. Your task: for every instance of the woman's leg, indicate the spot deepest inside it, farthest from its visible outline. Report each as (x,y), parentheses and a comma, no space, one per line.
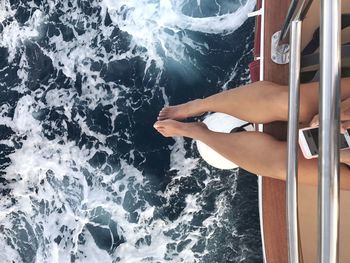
(258,102)
(256,152)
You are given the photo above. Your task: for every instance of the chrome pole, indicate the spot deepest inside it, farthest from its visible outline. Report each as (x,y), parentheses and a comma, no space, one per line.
(292,10)
(293,131)
(328,193)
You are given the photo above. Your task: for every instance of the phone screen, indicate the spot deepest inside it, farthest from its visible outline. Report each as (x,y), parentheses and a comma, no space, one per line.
(311,136)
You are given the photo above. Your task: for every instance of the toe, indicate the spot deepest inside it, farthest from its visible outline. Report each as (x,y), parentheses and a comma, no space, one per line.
(163,112)
(157,125)
(163,132)
(161,118)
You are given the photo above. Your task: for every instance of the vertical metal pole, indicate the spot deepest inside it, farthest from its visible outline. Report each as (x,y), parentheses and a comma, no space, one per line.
(293,125)
(328,193)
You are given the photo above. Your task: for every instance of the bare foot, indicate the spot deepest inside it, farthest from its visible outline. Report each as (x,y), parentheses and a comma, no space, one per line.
(171,128)
(181,111)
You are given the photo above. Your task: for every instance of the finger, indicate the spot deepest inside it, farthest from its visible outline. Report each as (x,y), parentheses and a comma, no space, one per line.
(342,129)
(315,121)
(345,104)
(345,124)
(345,114)
(345,109)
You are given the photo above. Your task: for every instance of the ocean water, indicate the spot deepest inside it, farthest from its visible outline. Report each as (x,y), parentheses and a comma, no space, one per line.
(84,177)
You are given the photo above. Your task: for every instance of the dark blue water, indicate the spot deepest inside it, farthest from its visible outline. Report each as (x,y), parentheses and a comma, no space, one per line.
(84,176)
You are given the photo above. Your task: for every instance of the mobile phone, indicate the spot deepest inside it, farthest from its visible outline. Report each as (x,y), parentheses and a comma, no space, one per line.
(308,141)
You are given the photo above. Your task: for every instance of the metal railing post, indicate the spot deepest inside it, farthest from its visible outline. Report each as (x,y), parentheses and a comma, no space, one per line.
(280,52)
(292,10)
(328,193)
(293,125)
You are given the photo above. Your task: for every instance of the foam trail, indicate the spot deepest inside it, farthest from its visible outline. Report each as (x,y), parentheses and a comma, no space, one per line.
(224,24)
(153,24)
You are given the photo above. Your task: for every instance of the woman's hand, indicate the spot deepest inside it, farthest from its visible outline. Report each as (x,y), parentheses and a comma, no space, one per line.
(344,116)
(345,156)
(315,121)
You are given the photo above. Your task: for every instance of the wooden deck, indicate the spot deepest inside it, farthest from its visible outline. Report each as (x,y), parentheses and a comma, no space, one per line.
(273,190)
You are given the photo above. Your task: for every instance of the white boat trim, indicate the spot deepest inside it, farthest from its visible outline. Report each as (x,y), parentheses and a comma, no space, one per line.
(262,34)
(260,128)
(261,217)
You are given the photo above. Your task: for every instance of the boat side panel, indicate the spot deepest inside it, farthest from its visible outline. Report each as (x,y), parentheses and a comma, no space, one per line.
(273,191)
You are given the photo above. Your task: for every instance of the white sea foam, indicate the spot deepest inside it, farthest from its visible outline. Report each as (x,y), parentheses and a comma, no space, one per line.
(150,24)
(14,33)
(5,10)
(184,166)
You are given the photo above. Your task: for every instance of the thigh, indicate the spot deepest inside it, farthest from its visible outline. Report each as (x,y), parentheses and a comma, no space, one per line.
(308,172)
(309,98)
